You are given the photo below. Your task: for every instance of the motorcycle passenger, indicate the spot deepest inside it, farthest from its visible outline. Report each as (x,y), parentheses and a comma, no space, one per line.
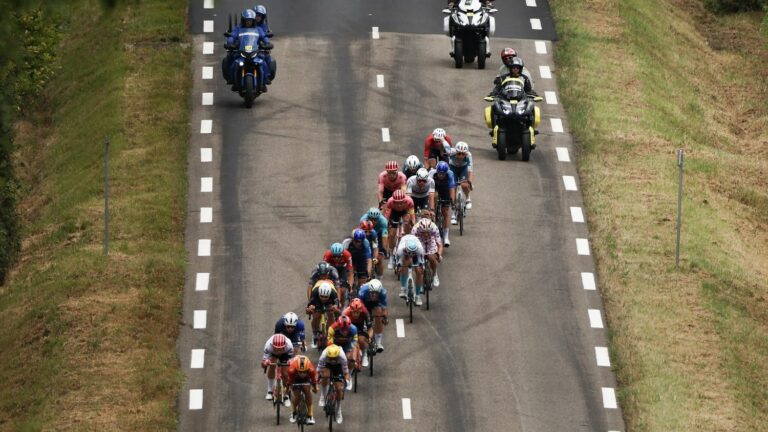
(360,249)
(436,146)
(460,162)
(374,297)
(398,210)
(410,253)
(247,23)
(322,271)
(445,187)
(507,54)
(411,165)
(341,260)
(261,22)
(421,189)
(390,180)
(428,234)
(292,327)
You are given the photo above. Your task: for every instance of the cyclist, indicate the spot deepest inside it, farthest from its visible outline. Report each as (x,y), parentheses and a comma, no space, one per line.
(460,162)
(390,180)
(344,334)
(398,210)
(411,165)
(301,371)
(324,299)
(333,363)
(410,253)
(322,271)
(446,193)
(341,260)
(359,316)
(428,234)
(374,297)
(373,239)
(421,189)
(292,327)
(435,146)
(360,249)
(277,349)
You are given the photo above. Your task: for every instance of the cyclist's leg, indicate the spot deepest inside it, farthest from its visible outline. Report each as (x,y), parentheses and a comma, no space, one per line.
(325,373)
(271,375)
(295,396)
(404,275)
(419,270)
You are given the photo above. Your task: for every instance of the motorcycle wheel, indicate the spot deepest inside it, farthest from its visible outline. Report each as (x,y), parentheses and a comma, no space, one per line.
(526,146)
(458,53)
(249,93)
(481,55)
(468,59)
(501,143)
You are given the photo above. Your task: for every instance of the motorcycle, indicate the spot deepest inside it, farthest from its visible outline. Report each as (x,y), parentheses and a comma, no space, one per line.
(513,117)
(248,60)
(469,25)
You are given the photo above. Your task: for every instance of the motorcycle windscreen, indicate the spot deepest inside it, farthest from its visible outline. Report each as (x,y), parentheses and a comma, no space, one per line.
(249,41)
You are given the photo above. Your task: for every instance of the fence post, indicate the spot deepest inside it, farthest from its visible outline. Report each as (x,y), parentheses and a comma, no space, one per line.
(106,195)
(680,156)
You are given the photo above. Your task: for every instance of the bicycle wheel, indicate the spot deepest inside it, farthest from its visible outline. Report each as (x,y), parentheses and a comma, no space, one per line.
(330,407)
(371,355)
(460,217)
(278,397)
(302,412)
(410,299)
(354,380)
(427,282)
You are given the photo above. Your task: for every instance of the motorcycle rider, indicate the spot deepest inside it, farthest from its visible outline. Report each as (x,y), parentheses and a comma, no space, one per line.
(262,23)
(515,67)
(507,54)
(247,21)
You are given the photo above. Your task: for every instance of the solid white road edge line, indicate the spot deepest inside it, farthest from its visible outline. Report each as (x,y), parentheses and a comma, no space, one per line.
(204,247)
(588,281)
(206,214)
(595,319)
(198,359)
(201,283)
(562,154)
(582,246)
(603,359)
(196,399)
(206,184)
(200,320)
(577,215)
(609,398)
(400,325)
(407,409)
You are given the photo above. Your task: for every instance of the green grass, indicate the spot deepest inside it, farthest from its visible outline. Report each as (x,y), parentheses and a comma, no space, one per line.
(690,346)
(91,340)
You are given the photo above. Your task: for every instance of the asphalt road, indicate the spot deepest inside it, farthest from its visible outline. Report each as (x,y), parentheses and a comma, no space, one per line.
(507,346)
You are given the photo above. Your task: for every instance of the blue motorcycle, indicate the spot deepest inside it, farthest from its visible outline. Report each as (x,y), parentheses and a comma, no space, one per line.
(248,65)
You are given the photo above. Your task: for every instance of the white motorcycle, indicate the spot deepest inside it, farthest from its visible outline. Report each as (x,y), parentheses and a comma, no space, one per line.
(469,25)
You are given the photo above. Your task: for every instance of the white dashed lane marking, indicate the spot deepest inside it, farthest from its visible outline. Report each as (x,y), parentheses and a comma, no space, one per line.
(207,98)
(385,134)
(198,359)
(207,72)
(200,320)
(545,72)
(206,126)
(556,124)
(201,283)
(380,81)
(582,246)
(208,26)
(595,319)
(530,3)
(535,24)
(407,409)
(576,214)
(206,214)
(541,47)
(609,398)
(208,4)
(204,247)
(550,97)
(400,325)
(196,399)
(206,154)
(603,359)
(562,154)
(375,32)
(206,184)
(588,281)
(570,183)
(207,47)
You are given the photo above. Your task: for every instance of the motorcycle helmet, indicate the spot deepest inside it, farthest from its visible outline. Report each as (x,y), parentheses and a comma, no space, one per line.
(260,10)
(516,62)
(507,54)
(247,15)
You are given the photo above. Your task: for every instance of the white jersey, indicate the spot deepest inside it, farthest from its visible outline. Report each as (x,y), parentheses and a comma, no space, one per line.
(401,247)
(415,190)
(269,350)
(323,363)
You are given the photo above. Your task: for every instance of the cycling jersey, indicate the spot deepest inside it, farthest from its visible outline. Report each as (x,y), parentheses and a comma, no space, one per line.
(339,262)
(394,212)
(429,238)
(337,366)
(419,190)
(361,319)
(443,186)
(317,302)
(346,340)
(296,377)
(361,253)
(434,148)
(454,160)
(379,224)
(417,258)
(296,336)
(333,276)
(283,355)
(365,295)
(387,185)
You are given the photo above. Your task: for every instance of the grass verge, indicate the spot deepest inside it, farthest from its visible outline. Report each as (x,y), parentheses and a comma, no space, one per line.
(88,340)
(639,79)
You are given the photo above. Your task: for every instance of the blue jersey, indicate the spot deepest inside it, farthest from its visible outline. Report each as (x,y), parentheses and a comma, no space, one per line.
(443,186)
(297,335)
(364,294)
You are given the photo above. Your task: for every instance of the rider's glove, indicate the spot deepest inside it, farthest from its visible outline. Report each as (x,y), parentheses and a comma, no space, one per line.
(265,363)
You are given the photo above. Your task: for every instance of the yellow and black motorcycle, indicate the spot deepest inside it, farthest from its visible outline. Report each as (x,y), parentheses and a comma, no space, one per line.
(513,116)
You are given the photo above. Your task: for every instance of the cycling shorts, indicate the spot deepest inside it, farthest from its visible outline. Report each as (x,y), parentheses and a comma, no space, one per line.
(420,203)
(460,173)
(436,154)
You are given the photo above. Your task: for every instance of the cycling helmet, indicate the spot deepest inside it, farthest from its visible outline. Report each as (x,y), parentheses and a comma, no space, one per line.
(356,305)
(303,363)
(374,213)
(462,147)
(517,62)
(323,268)
(442,167)
(247,14)
(507,54)
(374,285)
(290,319)
(278,341)
(424,224)
(422,174)
(412,246)
(391,166)
(325,289)
(337,249)
(343,322)
(358,234)
(260,9)
(438,134)
(366,225)
(412,163)
(333,351)
(398,195)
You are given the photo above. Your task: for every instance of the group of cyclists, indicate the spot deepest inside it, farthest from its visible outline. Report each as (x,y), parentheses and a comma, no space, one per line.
(346,300)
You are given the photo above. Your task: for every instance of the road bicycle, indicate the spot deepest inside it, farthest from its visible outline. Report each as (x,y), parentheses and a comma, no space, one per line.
(327,315)
(439,220)
(461,209)
(302,410)
(410,296)
(279,391)
(428,279)
(330,400)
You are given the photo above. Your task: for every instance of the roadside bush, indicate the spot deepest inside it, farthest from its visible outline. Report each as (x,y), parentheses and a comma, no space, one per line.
(729,6)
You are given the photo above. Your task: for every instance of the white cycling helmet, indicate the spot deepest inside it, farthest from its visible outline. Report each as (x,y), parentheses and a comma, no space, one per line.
(374,285)
(424,224)
(438,134)
(290,319)
(412,163)
(422,174)
(325,289)
(462,147)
